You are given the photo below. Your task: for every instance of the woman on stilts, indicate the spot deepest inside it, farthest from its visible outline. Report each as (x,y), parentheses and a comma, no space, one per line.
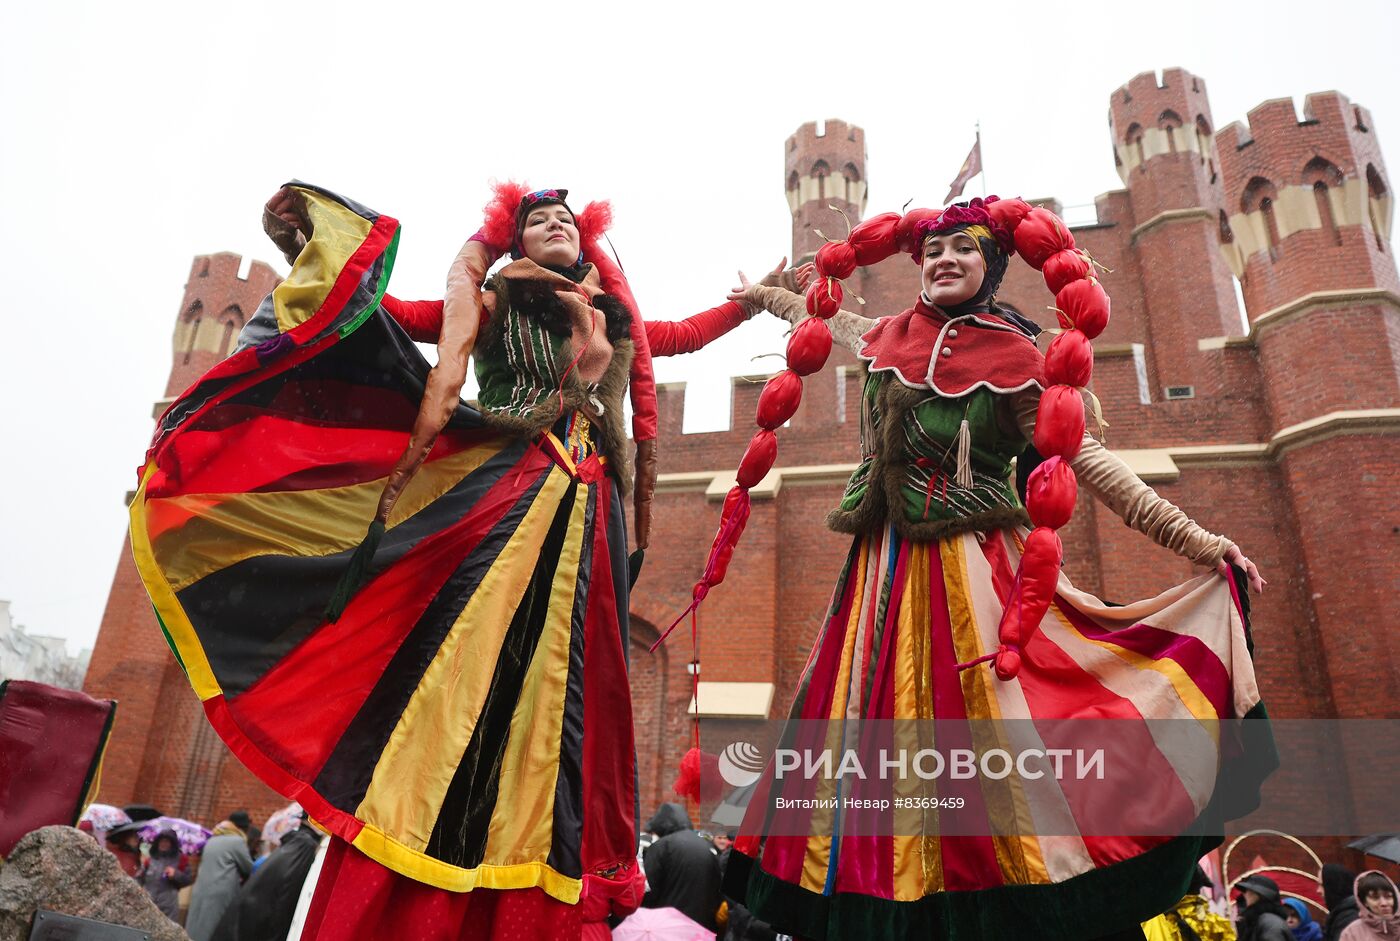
(445,693)
(952,625)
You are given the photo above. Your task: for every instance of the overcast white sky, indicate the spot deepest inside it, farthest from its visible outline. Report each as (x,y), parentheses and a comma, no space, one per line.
(136,135)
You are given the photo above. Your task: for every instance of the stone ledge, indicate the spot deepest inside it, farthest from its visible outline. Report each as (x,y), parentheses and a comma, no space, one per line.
(1172,215)
(1349,421)
(1111,350)
(1285,313)
(1224,343)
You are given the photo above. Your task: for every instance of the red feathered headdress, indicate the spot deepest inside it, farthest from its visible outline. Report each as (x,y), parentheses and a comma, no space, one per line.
(500,230)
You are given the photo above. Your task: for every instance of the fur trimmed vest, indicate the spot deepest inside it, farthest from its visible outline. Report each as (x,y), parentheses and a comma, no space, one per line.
(933,466)
(528,363)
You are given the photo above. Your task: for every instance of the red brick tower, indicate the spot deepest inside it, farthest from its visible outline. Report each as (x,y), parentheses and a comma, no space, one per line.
(1164,154)
(824,166)
(162,750)
(1308,235)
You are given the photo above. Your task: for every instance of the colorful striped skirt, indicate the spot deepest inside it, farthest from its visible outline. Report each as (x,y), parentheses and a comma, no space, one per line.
(466,722)
(1141,719)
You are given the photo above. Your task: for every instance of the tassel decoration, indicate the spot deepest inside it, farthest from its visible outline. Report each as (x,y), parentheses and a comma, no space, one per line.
(963,477)
(356,572)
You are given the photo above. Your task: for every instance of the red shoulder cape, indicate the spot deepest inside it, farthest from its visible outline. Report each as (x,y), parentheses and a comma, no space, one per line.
(926,349)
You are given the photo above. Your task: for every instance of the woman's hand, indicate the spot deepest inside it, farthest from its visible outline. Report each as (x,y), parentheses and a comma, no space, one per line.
(285,222)
(1251,571)
(798,279)
(791,279)
(744,293)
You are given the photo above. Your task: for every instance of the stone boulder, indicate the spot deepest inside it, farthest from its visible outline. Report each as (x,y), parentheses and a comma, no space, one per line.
(64,870)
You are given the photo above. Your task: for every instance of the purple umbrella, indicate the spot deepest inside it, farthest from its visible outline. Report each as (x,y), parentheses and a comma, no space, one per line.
(660,924)
(191,835)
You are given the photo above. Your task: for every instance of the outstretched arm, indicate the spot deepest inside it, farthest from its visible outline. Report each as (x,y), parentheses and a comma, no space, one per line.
(1139,506)
(846,328)
(673,337)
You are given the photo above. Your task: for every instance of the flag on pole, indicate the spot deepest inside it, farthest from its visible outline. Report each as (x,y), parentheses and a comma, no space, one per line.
(970,168)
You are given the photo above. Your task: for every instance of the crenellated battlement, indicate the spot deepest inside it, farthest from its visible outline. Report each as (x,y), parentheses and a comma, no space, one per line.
(218,301)
(818,138)
(1173,81)
(1278,144)
(1317,175)
(1279,116)
(1151,118)
(220,271)
(1144,101)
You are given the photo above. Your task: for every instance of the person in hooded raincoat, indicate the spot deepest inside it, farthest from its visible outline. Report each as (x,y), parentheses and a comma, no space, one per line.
(165,872)
(1338,883)
(681,869)
(1301,923)
(1378,911)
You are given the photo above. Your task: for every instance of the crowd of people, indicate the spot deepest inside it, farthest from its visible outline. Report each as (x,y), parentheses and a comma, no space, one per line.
(239,884)
(682,868)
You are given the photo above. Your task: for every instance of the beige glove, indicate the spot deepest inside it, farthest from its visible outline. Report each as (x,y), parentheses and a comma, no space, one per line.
(846,328)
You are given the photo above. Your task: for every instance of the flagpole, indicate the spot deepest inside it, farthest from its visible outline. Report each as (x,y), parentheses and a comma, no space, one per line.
(983,158)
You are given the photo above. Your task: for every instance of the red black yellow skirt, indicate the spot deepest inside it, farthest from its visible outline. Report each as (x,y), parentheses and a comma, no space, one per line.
(1141,719)
(466,722)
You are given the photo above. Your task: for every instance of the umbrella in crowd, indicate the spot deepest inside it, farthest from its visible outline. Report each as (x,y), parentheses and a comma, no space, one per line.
(281,823)
(191,835)
(101,818)
(660,924)
(1383,846)
(104,816)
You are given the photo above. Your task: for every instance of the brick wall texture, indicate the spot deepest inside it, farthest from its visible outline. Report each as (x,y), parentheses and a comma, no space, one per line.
(1286,444)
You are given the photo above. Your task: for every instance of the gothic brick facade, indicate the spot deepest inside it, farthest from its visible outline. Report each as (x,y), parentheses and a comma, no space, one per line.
(1277,429)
